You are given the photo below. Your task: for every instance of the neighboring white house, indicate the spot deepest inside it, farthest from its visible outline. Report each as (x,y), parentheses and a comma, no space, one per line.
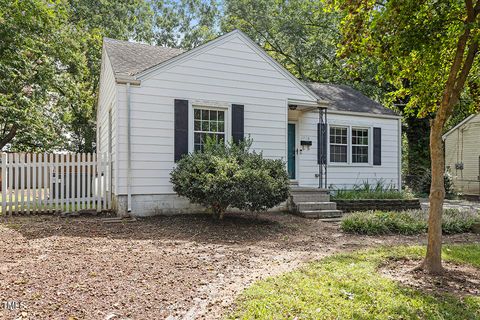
(462,155)
(156,104)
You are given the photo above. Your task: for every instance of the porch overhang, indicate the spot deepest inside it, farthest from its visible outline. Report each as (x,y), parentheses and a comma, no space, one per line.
(298,107)
(306,105)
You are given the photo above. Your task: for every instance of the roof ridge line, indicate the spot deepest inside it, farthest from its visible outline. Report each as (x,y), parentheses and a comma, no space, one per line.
(134,43)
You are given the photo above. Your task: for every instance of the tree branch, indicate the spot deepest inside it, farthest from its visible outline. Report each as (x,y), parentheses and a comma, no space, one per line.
(456,65)
(467,65)
(276,48)
(470,10)
(10,135)
(455,81)
(476,10)
(470,57)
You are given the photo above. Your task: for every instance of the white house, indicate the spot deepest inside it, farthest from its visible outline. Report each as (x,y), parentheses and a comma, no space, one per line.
(462,155)
(156,104)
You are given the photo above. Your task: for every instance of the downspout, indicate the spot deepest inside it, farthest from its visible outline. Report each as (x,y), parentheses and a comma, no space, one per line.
(129,152)
(322,160)
(128,82)
(399,155)
(326,146)
(320,149)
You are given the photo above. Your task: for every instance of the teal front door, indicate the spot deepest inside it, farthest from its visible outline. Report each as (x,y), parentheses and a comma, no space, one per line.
(291,151)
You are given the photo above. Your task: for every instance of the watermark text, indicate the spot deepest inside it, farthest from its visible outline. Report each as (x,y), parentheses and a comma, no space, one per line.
(11,305)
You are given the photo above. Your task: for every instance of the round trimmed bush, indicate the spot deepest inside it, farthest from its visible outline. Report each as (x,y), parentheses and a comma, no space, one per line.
(223,176)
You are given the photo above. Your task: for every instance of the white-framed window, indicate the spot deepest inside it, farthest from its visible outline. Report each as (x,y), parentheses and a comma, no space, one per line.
(338,144)
(349,145)
(360,144)
(208,121)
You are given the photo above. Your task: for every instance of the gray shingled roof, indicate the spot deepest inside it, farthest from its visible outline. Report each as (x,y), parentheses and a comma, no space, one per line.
(130,58)
(344,98)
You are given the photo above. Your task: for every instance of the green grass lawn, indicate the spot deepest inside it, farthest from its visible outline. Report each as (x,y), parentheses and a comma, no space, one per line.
(348,286)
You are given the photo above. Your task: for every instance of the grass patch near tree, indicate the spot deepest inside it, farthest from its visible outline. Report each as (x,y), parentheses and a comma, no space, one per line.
(406,222)
(348,286)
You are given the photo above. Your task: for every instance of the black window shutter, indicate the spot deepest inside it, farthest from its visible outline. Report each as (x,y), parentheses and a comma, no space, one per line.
(237,123)
(321,143)
(377,146)
(181,128)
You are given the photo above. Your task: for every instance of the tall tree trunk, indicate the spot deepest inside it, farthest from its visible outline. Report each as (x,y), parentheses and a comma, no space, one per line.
(433,259)
(461,66)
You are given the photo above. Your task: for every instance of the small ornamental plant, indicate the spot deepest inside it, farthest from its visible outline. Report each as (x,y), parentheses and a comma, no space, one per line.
(230,175)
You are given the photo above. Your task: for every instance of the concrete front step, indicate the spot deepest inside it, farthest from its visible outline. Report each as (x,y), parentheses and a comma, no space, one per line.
(300,194)
(310,197)
(307,189)
(320,214)
(315,205)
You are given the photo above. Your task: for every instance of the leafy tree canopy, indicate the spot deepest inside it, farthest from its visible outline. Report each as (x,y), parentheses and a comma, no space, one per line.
(185,23)
(50,61)
(428,51)
(303,36)
(40,66)
(413,43)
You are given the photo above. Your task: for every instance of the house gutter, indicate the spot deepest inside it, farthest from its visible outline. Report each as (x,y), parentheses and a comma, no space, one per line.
(131,81)
(364,114)
(323,103)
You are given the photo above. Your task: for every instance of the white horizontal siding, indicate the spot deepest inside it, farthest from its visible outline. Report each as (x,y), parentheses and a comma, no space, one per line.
(245,76)
(231,72)
(461,146)
(107,100)
(346,176)
(148,95)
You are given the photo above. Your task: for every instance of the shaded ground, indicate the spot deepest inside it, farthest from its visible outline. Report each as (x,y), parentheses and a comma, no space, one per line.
(180,267)
(458,279)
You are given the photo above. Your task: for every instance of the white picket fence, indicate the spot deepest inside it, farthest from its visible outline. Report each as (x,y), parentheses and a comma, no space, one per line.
(48,183)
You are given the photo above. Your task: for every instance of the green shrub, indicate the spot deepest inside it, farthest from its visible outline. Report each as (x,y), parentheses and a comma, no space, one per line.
(458,221)
(381,222)
(366,190)
(230,175)
(260,183)
(406,222)
(421,182)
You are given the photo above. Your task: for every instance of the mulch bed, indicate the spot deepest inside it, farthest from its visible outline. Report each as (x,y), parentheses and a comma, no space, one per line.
(175,267)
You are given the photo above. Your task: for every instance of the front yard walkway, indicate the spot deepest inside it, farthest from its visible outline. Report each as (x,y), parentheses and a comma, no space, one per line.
(453,204)
(180,267)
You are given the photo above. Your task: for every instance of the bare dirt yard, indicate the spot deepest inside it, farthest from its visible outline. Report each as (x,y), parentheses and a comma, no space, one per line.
(178,267)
